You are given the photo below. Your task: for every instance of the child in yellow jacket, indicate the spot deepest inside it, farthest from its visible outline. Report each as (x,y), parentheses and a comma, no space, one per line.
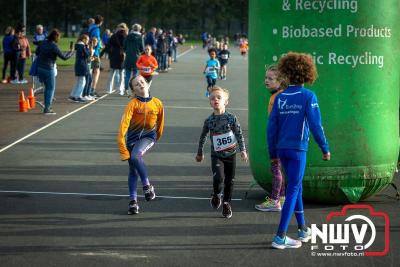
(141,126)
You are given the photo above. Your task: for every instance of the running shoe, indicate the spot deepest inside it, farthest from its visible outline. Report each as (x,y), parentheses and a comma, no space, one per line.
(23,81)
(14,81)
(215,201)
(227,210)
(304,236)
(4,81)
(269,205)
(149,193)
(286,242)
(48,111)
(206,93)
(133,207)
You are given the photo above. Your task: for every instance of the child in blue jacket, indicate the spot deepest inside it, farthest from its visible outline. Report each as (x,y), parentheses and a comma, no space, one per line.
(295,112)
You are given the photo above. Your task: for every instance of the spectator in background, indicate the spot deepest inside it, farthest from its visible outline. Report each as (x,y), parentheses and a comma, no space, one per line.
(204,38)
(162,50)
(47,53)
(23,51)
(89,26)
(94,34)
(105,39)
(117,57)
(181,39)
(171,48)
(40,35)
(81,68)
(133,47)
(150,39)
(8,53)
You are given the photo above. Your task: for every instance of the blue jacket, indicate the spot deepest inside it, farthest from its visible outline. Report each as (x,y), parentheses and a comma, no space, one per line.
(295,112)
(94,31)
(7,43)
(47,53)
(151,40)
(81,59)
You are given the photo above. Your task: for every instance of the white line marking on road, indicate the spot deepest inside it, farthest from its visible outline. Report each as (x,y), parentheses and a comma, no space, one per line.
(67,115)
(48,125)
(187,51)
(104,195)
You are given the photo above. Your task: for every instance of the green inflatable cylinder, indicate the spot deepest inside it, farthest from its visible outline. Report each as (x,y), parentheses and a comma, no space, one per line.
(355,45)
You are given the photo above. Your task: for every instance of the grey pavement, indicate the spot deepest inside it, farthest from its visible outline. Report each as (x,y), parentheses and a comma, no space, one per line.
(69,201)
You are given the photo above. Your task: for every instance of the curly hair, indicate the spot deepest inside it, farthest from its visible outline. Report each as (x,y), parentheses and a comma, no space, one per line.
(298,68)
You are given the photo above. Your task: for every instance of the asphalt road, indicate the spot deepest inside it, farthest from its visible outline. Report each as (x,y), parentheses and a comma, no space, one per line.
(63,192)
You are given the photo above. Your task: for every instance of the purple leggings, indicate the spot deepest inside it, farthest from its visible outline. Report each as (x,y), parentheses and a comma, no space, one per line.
(278,183)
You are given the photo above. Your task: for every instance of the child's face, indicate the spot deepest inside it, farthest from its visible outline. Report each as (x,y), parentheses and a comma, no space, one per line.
(271,80)
(85,41)
(147,50)
(218,100)
(140,86)
(213,55)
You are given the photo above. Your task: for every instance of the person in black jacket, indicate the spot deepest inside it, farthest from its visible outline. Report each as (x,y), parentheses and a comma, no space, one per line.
(47,53)
(116,56)
(162,50)
(81,68)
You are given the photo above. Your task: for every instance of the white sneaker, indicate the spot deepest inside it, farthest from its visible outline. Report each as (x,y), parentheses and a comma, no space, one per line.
(88,98)
(286,242)
(15,81)
(304,236)
(121,93)
(23,81)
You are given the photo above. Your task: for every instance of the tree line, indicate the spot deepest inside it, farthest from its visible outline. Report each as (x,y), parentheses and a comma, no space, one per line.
(222,17)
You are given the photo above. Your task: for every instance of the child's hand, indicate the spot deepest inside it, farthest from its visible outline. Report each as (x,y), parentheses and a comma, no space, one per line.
(199,158)
(326,156)
(244,156)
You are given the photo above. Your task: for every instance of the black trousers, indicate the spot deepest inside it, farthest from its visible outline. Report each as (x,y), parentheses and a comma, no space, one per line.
(223,171)
(8,57)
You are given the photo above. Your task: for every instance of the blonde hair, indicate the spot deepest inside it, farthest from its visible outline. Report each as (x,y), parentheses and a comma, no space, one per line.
(217,88)
(284,83)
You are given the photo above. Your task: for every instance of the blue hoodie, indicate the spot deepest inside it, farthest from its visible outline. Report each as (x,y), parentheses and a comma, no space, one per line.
(7,43)
(294,114)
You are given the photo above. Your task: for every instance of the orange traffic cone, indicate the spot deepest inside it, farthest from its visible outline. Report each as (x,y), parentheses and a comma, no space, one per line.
(28,105)
(22,102)
(32,98)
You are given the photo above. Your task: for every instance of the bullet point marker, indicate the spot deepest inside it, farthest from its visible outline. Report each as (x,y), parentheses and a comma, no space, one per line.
(274,58)
(274,31)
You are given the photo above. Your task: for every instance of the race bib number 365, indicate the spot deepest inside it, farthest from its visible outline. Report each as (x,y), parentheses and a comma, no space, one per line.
(224,141)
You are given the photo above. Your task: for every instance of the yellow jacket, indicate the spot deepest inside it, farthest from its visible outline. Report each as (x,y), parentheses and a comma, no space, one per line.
(143,118)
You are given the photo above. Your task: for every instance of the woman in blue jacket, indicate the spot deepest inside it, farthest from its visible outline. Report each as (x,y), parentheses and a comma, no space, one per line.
(295,112)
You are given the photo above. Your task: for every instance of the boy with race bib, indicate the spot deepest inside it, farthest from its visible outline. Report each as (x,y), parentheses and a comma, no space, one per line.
(226,138)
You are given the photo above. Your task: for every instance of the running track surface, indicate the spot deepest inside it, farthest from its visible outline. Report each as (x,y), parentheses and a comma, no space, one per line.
(64,191)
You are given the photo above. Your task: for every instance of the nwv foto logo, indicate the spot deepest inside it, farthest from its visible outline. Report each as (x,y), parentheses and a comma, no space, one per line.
(337,236)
